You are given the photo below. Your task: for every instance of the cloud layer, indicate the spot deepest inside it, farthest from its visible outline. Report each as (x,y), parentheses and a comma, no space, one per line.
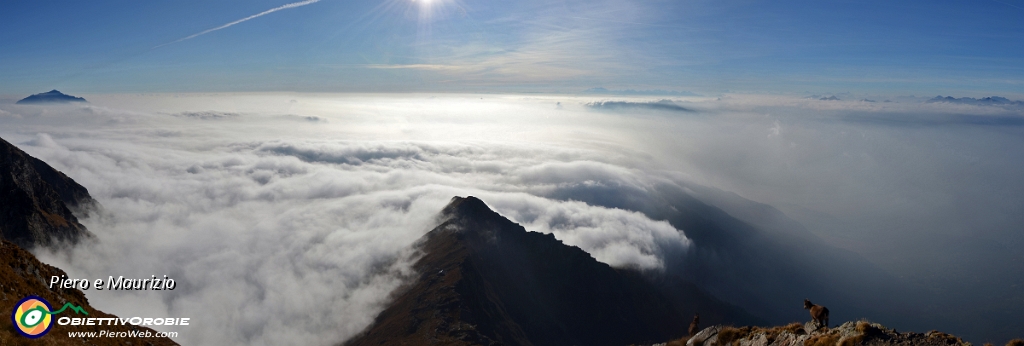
(277,239)
(284,230)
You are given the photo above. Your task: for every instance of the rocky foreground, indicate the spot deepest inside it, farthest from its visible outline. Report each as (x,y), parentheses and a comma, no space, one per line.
(849,333)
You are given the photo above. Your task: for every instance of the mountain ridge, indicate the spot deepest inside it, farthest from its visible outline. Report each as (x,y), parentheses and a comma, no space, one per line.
(486,280)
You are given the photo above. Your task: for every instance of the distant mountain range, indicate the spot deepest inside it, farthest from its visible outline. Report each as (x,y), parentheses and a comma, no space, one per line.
(485,280)
(660,105)
(657,92)
(985,101)
(52,96)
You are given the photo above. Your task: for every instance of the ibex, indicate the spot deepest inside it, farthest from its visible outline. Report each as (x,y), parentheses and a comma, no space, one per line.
(694,328)
(818,313)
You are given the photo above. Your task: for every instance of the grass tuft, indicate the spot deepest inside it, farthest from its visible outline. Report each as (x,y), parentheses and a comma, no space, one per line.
(945,337)
(729,334)
(822,340)
(772,334)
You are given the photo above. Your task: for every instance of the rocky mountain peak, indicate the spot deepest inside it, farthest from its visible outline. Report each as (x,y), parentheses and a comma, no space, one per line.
(475,221)
(468,207)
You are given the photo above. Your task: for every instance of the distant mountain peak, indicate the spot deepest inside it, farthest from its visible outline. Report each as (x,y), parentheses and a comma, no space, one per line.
(52,96)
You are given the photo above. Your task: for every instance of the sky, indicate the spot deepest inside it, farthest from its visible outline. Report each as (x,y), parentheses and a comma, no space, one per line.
(928,48)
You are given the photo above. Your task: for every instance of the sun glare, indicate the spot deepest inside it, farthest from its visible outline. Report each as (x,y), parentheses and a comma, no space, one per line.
(430,10)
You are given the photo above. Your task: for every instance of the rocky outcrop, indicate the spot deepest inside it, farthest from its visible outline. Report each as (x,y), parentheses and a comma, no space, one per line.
(37,202)
(809,334)
(52,96)
(485,280)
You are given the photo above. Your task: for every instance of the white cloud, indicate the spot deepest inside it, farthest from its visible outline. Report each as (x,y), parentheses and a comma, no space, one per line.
(283,231)
(618,237)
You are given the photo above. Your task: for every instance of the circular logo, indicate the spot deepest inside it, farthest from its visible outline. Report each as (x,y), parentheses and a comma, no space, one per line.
(31,317)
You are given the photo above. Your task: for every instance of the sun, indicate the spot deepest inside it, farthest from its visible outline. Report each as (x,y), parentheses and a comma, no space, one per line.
(429,9)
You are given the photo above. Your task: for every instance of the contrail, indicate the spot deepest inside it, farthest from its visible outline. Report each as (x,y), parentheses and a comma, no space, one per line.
(275,9)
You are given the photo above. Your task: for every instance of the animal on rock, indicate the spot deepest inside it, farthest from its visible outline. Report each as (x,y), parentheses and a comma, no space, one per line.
(818,313)
(694,326)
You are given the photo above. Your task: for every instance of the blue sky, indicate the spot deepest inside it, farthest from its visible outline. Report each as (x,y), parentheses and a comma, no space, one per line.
(955,48)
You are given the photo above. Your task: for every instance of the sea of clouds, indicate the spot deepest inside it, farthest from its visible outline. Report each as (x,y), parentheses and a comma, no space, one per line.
(289,218)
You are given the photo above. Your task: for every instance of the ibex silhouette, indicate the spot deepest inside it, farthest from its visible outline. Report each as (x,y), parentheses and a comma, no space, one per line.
(818,313)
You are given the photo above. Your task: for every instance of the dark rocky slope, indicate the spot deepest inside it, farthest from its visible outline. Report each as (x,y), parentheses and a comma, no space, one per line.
(484,280)
(38,201)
